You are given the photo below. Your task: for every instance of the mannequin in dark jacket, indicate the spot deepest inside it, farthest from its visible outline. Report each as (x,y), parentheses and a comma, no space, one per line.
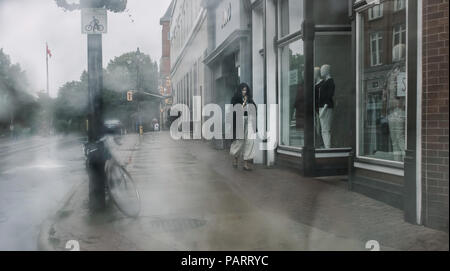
(325,104)
(245,146)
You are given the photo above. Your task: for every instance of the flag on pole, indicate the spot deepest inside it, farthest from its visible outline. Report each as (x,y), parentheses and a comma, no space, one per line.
(49,53)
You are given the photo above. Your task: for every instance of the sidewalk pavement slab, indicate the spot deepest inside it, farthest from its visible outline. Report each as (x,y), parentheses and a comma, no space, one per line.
(193,199)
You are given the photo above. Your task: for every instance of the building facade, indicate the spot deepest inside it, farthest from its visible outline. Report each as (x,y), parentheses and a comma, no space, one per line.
(374,51)
(361,89)
(434,112)
(164,64)
(228,56)
(165,85)
(188,45)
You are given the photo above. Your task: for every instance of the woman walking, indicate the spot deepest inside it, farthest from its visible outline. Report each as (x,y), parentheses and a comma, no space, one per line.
(243,147)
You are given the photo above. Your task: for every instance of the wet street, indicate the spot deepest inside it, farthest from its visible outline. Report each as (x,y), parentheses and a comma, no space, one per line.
(35,175)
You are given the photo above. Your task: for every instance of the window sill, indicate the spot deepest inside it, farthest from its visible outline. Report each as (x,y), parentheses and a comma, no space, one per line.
(374,19)
(380,168)
(399,10)
(380,162)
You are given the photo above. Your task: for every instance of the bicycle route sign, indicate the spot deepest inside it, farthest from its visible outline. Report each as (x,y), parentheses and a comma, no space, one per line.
(93,21)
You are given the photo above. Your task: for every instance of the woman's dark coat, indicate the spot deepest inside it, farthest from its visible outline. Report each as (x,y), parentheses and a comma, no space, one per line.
(239,99)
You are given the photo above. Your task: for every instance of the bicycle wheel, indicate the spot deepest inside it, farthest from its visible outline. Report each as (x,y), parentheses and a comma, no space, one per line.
(122,189)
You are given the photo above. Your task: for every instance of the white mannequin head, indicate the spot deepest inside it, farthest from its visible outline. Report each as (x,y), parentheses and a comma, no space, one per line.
(325,71)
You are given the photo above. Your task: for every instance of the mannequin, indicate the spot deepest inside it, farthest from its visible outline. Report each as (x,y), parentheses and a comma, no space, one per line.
(395,102)
(317,83)
(326,104)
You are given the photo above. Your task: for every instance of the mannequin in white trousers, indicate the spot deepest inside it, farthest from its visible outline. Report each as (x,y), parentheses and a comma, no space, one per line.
(325,104)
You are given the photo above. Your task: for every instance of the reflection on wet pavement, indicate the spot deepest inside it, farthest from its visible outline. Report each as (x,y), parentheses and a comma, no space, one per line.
(33,180)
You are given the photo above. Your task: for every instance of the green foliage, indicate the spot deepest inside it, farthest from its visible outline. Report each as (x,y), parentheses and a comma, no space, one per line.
(70,108)
(130,71)
(17,105)
(111,5)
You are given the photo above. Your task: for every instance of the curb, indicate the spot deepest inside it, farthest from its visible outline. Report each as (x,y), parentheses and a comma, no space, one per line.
(43,243)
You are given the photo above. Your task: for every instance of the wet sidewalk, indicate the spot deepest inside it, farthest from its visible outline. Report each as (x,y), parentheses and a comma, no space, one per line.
(193,199)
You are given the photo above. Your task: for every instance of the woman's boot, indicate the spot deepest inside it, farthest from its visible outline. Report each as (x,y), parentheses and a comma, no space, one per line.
(247,166)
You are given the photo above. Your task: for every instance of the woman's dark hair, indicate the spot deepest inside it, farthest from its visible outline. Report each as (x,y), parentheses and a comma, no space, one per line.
(239,91)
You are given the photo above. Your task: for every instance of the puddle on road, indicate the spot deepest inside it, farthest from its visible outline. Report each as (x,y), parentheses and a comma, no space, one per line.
(46,165)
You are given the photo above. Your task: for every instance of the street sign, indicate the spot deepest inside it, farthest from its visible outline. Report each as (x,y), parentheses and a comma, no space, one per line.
(130,96)
(94,21)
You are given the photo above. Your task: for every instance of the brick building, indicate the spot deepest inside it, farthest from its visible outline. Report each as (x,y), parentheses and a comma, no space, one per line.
(165,85)
(164,65)
(435,110)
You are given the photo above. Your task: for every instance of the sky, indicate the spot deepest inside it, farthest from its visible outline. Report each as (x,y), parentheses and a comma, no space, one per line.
(26,25)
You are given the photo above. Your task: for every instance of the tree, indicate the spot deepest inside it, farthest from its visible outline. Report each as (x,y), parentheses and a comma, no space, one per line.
(70,108)
(111,5)
(123,73)
(17,104)
(131,71)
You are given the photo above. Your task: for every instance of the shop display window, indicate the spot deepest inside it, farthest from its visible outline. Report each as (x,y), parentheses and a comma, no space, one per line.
(382,88)
(292,113)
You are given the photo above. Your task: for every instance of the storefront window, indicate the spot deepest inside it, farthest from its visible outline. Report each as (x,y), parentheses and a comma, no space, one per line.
(292,115)
(333,90)
(382,87)
(291,16)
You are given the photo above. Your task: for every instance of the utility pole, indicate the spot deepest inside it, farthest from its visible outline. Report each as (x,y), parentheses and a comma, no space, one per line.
(96,166)
(138,88)
(46,60)
(94,24)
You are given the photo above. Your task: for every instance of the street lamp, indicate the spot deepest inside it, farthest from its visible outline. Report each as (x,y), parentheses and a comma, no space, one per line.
(139,60)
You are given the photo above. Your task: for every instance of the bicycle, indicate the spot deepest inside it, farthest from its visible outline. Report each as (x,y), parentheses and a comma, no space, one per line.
(119,182)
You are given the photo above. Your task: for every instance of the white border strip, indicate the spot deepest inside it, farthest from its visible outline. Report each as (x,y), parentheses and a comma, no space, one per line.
(386,170)
(419,112)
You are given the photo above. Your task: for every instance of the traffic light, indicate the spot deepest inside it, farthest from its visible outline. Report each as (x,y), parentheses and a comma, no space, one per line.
(130,96)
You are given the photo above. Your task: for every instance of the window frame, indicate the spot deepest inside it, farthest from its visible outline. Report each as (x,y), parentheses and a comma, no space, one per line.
(400,33)
(364,158)
(281,46)
(281,42)
(379,44)
(402,5)
(371,10)
(287,38)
